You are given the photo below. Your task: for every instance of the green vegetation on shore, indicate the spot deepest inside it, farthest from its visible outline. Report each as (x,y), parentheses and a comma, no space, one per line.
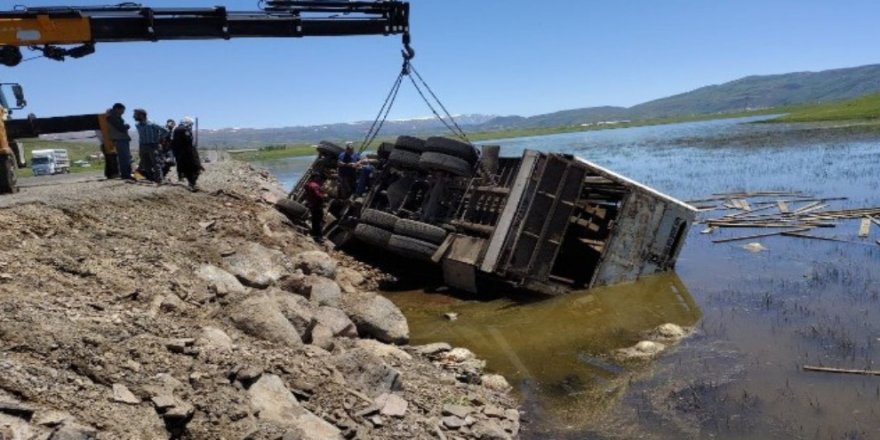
(272,152)
(75,150)
(863,109)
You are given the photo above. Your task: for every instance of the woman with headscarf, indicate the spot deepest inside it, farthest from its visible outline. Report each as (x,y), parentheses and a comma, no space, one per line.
(185,153)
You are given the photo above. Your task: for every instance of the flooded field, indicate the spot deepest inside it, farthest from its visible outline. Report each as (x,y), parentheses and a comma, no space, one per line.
(756,317)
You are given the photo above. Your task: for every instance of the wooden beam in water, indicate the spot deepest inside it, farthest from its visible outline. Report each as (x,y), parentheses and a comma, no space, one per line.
(865,227)
(783,207)
(841,370)
(768,234)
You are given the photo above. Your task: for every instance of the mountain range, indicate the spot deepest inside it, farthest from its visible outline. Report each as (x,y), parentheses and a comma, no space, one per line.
(748,93)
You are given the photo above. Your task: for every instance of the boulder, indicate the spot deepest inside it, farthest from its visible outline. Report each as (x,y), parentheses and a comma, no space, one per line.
(337,321)
(260,317)
(378,317)
(488,430)
(213,338)
(296,309)
(667,333)
(256,266)
(277,405)
(122,394)
(641,351)
(384,351)
(73,431)
(458,355)
(367,372)
(391,405)
(433,349)
(317,263)
(349,279)
(319,290)
(220,281)
(495,382)
(322,337)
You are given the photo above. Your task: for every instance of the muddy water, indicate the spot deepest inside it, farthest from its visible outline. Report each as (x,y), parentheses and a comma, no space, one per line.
(758,317)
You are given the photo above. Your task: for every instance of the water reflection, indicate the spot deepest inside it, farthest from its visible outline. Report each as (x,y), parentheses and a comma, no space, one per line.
(555,352)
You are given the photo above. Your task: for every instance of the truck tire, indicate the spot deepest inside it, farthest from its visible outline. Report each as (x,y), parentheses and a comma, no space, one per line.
(372,235)
(420,230)
(8,182)
(381,219)
(384,150)
(452,147)
(410,143)
(404,159)
(411,248)
(292,209)
(446,163)
(330,149)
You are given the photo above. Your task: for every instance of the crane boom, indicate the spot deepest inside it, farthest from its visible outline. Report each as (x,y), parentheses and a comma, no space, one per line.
(47,28)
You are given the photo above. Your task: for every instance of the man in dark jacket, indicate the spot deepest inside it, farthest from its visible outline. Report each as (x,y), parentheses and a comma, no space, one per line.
(118,131)
(314,198)
(185,153)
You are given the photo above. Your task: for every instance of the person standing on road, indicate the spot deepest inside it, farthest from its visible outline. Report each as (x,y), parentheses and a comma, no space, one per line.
(315,197)
(185,153)
(151,135)
(347,166)
(118,131)
(166,153)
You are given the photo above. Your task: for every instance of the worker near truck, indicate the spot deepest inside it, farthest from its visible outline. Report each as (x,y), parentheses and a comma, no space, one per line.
(185,152)
(150,136)
(118,133)
(347,166)
(166,154)
(314,198)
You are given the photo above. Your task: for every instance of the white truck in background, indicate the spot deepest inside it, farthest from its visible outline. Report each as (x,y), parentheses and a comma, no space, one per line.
(48,162)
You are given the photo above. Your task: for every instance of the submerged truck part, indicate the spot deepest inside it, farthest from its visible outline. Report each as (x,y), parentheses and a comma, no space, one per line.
(546,222)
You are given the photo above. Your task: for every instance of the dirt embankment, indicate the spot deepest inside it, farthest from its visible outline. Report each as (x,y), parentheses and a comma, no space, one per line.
(120,318)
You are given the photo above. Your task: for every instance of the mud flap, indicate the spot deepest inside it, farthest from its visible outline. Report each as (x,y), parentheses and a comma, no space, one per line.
(460,259)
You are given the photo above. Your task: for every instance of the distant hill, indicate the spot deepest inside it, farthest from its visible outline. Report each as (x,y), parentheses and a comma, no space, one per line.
(753,92)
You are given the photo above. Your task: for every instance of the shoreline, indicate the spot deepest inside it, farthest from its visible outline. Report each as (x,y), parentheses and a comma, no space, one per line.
(134,311)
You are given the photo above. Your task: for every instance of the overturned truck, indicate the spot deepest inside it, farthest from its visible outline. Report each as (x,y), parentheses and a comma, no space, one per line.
(545,222)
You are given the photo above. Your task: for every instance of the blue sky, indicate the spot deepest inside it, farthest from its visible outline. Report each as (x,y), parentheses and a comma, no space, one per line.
(498,57)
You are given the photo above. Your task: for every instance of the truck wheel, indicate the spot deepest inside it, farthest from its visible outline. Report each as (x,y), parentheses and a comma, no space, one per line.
(381,219)
(7,175)
(404,159)
(329,148)
(384,150)
(411,248)
(420,230)
(292,209)
(410,143)
(372,235)
(446,163)
(452,147)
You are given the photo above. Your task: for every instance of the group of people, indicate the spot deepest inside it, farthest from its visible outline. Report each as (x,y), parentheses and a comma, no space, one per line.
(159,148)
(353,174)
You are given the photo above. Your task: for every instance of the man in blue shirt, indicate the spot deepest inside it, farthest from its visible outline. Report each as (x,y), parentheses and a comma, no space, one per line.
(347,169)
(150,136)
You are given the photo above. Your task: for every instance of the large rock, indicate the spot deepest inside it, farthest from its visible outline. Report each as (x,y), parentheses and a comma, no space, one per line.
(296,309)
(349,279)
(368,372)
(317,263)
(337,321)
(256,265)
(73,431)
(213,338)
(383,350)
(319,290)
(378,317)
(220,281)
(277,405)
(641,351)
(260,317)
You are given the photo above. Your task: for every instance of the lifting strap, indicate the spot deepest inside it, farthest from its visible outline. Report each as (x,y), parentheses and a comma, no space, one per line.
(409,71)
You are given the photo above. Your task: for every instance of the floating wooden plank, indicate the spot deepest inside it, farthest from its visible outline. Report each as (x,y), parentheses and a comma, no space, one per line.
(783,207)
(767,234)
(816,237)
(876,220)
(709,230)
(841,370)
(805,207)
(865,227)
(809,210)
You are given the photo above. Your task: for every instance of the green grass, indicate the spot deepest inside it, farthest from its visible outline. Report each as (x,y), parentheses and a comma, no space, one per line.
(75,150)
(273,152)
(863,109)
